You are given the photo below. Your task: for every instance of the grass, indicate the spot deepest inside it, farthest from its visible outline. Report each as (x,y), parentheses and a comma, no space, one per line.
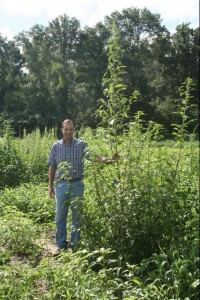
(149,200)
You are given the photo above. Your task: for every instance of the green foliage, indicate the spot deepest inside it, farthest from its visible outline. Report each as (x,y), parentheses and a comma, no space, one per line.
(11,165)
(79,281)
(5,258)
(11,64)
(69,277)
(18,282)
(184,107)
(30,199)
(49,71)
(140,195)
(143,197)
(140,227)
(172,275)
(34,149)
(114,109)
(18,233)
(160,205)
(24,160)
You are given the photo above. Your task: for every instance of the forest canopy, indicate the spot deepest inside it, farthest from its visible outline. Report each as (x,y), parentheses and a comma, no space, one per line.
(53,72)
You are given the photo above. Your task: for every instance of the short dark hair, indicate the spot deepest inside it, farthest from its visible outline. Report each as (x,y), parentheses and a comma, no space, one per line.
(67,121)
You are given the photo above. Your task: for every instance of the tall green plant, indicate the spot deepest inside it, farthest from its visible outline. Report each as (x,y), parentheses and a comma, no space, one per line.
(34,149)
(184,106)
(114,108)
(11,165)
(134,205)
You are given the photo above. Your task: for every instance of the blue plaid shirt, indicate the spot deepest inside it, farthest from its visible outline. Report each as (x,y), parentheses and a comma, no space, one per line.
(68,159)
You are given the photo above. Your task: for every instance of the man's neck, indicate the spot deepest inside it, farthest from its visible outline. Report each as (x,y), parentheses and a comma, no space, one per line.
(68,141)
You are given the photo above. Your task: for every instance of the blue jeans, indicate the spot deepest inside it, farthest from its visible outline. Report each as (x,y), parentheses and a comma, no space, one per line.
(68,194)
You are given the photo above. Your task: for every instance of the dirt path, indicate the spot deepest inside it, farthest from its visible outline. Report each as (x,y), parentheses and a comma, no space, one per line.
(50,248)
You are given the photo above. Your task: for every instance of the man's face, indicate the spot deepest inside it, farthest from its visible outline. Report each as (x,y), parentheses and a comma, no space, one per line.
(68,131)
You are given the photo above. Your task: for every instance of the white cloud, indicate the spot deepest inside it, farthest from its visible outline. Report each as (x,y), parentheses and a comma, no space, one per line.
(179,9)
(170,9)
(6,32)
(75,8)
(23,7)
(89,12)
(92,11)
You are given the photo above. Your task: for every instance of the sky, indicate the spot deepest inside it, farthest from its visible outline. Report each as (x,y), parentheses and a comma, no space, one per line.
(21,15)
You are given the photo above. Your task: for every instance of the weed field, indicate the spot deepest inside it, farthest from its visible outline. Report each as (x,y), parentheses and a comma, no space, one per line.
(140,228)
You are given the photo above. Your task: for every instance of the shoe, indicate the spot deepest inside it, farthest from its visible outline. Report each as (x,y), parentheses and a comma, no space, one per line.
(59,251)
(56,253)
(73,248)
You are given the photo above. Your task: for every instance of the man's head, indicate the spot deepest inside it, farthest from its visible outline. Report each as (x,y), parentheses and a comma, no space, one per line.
(67,130)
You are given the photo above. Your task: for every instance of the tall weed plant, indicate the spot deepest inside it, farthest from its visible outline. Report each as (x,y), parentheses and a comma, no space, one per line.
(24,160)
(11,164)
(34,148)
(138,204)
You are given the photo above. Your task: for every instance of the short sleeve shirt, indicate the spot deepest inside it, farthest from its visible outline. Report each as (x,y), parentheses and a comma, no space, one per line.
(67,159)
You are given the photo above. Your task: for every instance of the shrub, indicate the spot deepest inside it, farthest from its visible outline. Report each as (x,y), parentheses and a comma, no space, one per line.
(11,165)
(18,233)
(30,199)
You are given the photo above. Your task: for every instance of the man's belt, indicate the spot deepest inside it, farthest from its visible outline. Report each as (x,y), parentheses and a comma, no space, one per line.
(70,179)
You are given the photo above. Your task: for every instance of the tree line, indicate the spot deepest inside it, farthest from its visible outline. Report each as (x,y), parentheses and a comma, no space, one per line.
(52,72)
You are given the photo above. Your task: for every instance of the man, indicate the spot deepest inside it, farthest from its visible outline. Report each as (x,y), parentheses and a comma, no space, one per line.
(66,172)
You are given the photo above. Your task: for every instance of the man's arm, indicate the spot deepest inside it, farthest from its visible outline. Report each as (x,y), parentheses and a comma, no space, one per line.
(104,160)
(52,173)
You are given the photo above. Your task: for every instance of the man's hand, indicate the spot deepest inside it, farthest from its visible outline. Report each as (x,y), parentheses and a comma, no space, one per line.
(52,173)
(51,192)
(104,160)
(116,157)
